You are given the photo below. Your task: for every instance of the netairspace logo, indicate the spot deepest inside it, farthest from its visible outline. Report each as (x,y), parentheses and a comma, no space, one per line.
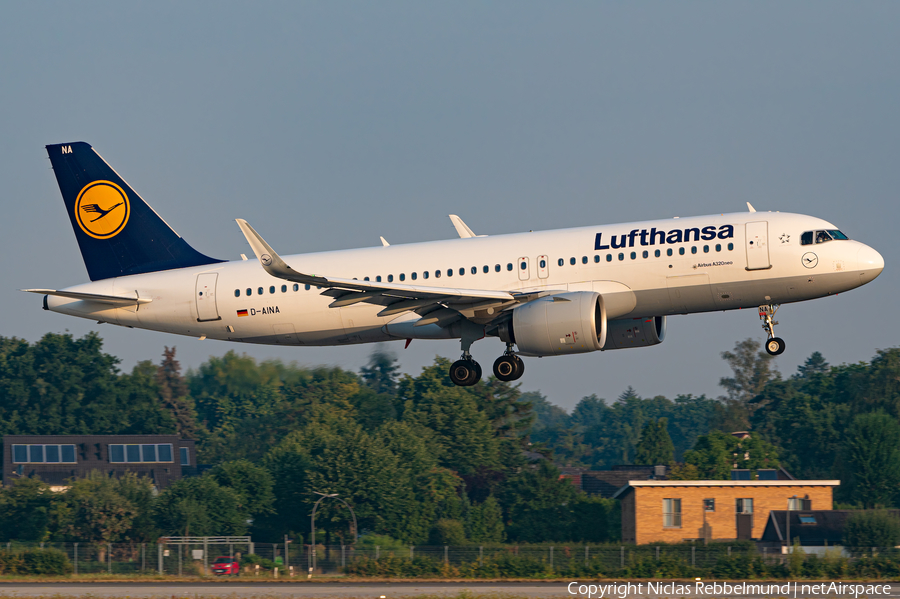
(623,590)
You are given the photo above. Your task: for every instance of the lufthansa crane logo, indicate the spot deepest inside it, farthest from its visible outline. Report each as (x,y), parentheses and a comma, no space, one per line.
(102,209)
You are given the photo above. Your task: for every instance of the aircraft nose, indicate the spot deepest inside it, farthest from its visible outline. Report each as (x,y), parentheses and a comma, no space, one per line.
(870,263)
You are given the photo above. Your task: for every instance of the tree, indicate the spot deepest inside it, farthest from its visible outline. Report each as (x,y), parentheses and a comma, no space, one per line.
(381,373)
(538,505)
(198,506)
(655,446)
(717,453)
(253,485)
(484,522)
(751,369)
(25,510)
(173,394)
(871,529)
(815,364)
(870,460)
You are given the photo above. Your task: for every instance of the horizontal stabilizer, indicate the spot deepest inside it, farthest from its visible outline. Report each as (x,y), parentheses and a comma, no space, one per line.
(113,300)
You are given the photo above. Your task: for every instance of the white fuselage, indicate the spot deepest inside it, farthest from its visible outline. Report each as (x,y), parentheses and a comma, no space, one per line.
(721,273)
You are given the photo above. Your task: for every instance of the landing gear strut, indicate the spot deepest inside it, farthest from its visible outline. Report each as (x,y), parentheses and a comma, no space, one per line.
(774,345)
(509,366)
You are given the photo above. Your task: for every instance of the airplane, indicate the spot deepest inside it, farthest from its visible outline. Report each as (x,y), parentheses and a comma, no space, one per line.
(547,293)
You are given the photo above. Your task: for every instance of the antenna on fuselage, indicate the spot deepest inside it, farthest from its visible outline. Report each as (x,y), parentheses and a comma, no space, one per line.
(750,207)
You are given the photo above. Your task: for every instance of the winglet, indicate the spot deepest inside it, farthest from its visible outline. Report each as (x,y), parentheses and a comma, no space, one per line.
(461,228)
(271,261)
(750,207)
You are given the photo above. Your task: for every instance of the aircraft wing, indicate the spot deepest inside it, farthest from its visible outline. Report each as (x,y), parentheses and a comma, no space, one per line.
(113,300)
(438,305)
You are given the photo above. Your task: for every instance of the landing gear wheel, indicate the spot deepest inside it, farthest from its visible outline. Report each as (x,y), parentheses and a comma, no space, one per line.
(509,367)
(775,346)
(465,373)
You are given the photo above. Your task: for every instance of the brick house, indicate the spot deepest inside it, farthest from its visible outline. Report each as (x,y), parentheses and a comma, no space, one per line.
(672,511)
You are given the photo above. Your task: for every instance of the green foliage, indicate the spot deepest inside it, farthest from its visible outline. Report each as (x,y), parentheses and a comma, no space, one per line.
(35,562)
(25,510)
(199,506)
(447,531)
(252,484)
(655,446)
(871,529)
(717,453)
(870,460)
(251,560)
(538,505)
(94,509)
(383,542)
(751,370)
(484,522)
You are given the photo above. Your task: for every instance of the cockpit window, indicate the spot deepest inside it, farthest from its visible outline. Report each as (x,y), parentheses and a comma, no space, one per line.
(810,237)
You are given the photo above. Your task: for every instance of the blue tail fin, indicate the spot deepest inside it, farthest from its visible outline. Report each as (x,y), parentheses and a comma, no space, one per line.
(118,233)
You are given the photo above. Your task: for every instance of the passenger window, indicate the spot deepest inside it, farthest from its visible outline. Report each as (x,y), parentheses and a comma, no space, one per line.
(297,287)
(402,276)
(284,289)
(645,254)
(669,252)
(633,255)
(462,271)
(272,289)
(609,257)
(390,278)
(543,263)
(572,261)
(621,256)
(693,249)
(509,266)
(561,262)
(730,246)
(523,265)
(806,238)
(365,278)
(718,247)
(308,287)
(496,268)
(486,269)
(437,274)
(237,293)
(249,291)
(474,270)
(449,272)
(681,251)
(584,259)
(414,276)
(377,280)
(705,249)
(656,253)
(425,275)
(596,258)
(259,291)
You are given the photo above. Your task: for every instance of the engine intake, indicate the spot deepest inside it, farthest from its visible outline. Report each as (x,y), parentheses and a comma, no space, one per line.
(567,323)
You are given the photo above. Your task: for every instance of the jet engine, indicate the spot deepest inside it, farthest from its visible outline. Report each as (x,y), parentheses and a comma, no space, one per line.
(635,332)
(557,325)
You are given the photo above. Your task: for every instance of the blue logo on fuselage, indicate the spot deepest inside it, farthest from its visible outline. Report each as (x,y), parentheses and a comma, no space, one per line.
(654,236)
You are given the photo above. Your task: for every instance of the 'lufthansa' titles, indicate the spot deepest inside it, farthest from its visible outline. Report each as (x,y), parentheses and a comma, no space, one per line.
(656,236)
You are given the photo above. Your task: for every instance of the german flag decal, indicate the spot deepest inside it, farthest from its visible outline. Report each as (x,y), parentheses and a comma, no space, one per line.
(242,313)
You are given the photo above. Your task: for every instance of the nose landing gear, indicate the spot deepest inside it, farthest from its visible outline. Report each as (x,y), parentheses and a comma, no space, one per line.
(774,345)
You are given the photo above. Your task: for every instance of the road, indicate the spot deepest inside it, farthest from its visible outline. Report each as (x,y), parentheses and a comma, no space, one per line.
(390,590)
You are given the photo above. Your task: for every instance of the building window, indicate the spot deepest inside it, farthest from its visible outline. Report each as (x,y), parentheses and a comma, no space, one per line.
(136,454)
(185,456)
(744,506)
(43,454)
(799,503)
(672,513)
(709,505)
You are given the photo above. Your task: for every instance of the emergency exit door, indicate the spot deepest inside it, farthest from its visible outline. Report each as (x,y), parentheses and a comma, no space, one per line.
(205,296)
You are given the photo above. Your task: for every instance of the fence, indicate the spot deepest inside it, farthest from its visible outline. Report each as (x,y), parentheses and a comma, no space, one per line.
(194,558)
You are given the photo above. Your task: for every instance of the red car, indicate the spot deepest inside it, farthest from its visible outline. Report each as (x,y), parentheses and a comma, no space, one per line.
(226,565)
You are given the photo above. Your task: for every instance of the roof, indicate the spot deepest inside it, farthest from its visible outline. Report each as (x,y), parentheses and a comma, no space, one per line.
(726,483)
(827,526)
(607,482)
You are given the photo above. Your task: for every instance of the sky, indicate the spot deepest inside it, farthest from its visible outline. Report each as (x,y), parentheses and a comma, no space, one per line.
(329,124)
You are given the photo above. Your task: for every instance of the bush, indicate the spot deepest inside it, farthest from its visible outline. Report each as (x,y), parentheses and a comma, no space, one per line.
(384,542)
(35,561)
(447,532)
(871,529)
(251,560)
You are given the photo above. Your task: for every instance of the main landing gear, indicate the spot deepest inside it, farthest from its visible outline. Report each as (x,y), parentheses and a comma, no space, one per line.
(465,372)
(774,345)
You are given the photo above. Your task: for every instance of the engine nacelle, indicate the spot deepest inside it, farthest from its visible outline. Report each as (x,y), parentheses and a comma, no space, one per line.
(635,332)
(567,323)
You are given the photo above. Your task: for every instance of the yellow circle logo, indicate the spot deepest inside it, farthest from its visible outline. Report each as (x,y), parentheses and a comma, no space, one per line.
(102,209)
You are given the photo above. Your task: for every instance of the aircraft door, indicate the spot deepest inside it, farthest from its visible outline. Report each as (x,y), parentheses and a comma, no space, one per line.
(205,295)
(543,267)
(524,270)
(757,242)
